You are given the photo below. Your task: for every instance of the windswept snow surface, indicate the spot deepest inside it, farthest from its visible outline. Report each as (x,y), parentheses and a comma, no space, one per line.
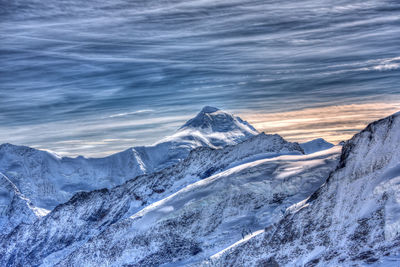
(48,180)
(352,220)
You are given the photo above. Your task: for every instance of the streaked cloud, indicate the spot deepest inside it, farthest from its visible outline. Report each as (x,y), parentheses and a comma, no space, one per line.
(130,113)
(96,79)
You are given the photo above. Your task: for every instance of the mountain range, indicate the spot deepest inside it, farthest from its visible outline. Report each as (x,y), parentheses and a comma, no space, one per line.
(46,180)
(215,193)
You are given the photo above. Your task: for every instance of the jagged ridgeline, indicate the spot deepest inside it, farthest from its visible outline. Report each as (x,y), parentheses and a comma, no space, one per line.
(216,192)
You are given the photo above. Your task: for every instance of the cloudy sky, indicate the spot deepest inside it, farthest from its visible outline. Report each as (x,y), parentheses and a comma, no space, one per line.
(95,78)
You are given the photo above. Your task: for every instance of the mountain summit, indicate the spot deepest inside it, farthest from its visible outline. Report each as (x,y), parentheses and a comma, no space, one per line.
(315,145)
(214,128)
(209,109)
(215,120)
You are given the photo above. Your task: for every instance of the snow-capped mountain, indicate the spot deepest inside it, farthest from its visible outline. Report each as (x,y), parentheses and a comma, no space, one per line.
(315,145)
(352,220)
(82,219)
(237,198)
(47,180)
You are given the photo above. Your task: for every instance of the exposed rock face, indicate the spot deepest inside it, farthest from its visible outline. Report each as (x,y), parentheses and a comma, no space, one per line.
(352,219)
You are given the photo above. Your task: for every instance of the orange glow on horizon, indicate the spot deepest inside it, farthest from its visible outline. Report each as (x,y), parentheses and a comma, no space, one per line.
(333,123)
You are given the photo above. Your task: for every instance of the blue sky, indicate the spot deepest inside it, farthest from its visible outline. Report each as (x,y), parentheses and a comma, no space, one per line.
(94,78)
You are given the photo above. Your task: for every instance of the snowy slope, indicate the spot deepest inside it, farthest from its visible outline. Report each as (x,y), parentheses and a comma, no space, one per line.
(315,145)
(86,215)
(209,215)
(352,219)
(14,207)
(48,180)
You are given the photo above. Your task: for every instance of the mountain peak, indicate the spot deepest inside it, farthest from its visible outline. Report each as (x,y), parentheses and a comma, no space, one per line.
(315,145)
(209,109)
(211,119)
(373,147)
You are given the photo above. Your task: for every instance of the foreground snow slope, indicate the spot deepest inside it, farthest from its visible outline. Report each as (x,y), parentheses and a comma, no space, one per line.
(48,180)
(352,219)
(209,215)
(87,214)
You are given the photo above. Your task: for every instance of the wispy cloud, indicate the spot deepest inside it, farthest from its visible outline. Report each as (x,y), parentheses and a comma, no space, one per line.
(130,113)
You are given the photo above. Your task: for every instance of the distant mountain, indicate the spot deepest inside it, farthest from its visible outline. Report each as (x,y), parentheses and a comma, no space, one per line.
(211,120)
(315,145)
(47,180)
(352,220)
(62,234)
